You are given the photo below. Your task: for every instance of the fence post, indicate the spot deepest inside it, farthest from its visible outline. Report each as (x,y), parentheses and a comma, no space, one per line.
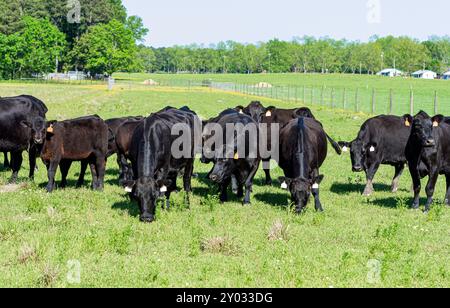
(411,101)
(332,98)
(321,95)
(312,95)
(436,111)
(391,102)
(357,100)
(374,101)
(304,95)
(345,98)
(296,95)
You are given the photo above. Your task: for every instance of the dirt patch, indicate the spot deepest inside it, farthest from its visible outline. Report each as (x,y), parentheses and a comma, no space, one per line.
(11,188)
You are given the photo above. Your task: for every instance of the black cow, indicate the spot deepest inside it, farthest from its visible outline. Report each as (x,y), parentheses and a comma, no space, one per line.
(303,150)
(22,128)
(381,141)
(83,139)
(155,169)
(237,166)
(281,117)
(429,146)
(123,138)
(114,125)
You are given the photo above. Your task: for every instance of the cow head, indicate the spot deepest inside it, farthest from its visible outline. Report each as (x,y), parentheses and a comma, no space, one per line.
(224,167)
(146,191)
(300,190)
(255,110)
(423,127)
(358,151)
(38,129)
(304,112)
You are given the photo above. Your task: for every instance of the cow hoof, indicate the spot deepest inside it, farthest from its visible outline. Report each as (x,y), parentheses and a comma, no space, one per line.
(147,219)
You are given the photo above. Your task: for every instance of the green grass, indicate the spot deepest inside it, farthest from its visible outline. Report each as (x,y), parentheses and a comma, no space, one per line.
(348,85)
(212,244)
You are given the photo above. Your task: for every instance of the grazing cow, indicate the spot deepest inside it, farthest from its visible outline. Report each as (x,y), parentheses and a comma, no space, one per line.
(281,117)
(84,139)
(123,138)
(381,140)
(22,128)
(429,146)
(233,166)
(154,167)
(114,125)
(303,150)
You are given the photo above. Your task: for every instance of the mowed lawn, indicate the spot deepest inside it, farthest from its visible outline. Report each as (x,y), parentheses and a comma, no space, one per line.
(213,244)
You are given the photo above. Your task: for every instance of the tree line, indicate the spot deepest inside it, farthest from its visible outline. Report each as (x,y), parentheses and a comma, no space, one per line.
(306,55)
(43,36)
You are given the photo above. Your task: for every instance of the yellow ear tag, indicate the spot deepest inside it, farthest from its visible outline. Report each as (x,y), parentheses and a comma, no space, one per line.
(435,124)
(236,156)
(407,123)
(50,129)
(269,113)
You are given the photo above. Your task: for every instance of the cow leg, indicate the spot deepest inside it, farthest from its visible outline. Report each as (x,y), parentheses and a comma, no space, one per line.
(172,188)
(101,168)
(240,191)
(84,165)
(316,194)
(398,173)
(447,196)
(417,186)
(32,160)
(434,175)
(266,167)
(64,166)
(16,164)
(187,180)
(371,171)
(249,182)
(6,164)
(94,184)
(223,191)
(234,185)
(51,172)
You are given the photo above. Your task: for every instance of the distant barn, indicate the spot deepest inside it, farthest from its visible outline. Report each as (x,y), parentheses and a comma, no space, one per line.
(390,72)
(424,74)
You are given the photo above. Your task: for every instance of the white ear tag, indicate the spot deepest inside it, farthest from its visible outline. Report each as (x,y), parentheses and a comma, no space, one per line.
(128,189)
(344,149)
(163,189)
(315,186)
(241,111)
(268,113)
(284,185)
(372,149)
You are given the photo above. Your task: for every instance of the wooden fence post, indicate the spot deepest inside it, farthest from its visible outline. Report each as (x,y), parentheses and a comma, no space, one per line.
(321,95)
(357,100)
(391,102)
(436,111)
(332,98)
(374,101)
(304,95)
(411,102)
(312,95)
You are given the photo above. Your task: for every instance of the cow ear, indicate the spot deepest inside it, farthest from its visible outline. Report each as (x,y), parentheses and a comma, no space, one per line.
(163,185)
(25,124)
(240,109)
(408,120)
(437,120)
(129,186)
(319,179)
(345,146)
(285,182)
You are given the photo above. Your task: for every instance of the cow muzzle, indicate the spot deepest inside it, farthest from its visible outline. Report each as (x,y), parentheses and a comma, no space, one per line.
(430,143)
(357,169)
(215,178)
(38,141)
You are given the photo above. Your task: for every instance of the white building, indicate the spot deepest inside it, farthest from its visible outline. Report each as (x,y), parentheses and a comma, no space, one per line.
(390,72)
(446,76)
(424,74)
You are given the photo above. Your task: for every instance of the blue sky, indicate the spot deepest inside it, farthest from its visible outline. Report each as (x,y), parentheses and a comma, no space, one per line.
(181,22)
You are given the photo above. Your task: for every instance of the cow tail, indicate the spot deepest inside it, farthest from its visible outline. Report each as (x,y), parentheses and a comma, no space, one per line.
(335,145)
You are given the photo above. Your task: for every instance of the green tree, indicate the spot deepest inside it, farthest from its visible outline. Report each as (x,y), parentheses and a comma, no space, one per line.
(145,59)
(105,49)
(136,25)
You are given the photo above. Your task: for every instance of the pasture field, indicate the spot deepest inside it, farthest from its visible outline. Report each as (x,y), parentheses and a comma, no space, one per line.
(353,87)
(213,244)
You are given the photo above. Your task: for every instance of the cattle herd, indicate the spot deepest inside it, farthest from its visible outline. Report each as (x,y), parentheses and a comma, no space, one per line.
(149,169)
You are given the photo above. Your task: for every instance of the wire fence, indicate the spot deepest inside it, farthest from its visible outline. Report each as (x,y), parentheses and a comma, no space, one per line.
(367,100)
